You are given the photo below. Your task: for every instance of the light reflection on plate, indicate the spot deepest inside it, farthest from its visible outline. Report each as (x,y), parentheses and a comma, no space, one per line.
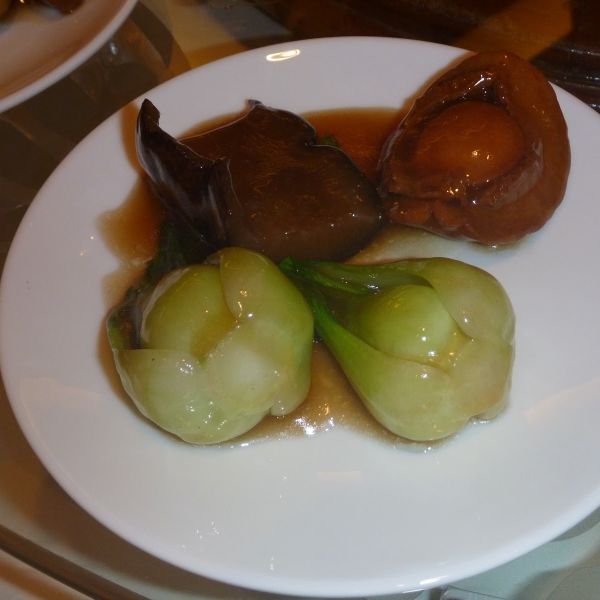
(338,513)
(38,46)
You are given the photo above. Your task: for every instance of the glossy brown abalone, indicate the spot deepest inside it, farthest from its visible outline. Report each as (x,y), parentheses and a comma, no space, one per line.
(483,154)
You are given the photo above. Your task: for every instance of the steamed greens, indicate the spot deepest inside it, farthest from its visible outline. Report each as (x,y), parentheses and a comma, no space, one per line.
(212,348)
(427,344)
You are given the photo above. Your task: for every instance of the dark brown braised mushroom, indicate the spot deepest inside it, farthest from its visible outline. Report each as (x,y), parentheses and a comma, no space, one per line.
(264,183)
(291,195)
(483,154)
(188,186)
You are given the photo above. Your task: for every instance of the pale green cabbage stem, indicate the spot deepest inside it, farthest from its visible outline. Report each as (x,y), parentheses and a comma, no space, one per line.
(426,344)
(223,344)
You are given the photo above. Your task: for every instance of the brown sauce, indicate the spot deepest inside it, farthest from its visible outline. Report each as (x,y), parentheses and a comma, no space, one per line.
(360,132)
(131,232)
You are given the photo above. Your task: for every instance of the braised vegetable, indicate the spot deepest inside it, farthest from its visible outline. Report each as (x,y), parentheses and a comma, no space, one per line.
(483,154)
(427,344)
(261,182)
(216,347)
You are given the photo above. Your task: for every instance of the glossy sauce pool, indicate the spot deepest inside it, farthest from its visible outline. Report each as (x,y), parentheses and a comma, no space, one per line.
(131,232)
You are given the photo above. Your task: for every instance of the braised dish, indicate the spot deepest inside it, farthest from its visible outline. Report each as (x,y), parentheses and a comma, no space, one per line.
(483,154)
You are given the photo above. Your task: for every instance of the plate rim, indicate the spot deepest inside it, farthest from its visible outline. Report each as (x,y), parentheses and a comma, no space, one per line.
(69,64)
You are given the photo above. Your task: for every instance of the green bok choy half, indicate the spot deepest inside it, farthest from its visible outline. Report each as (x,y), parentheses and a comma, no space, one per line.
(207,350)
(427,344)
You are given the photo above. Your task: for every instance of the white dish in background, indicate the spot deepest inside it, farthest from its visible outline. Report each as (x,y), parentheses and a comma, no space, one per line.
(39,46)
(341,513)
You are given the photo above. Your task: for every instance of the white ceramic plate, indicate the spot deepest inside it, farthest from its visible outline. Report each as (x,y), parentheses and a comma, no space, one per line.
(38,46)
(340,513)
